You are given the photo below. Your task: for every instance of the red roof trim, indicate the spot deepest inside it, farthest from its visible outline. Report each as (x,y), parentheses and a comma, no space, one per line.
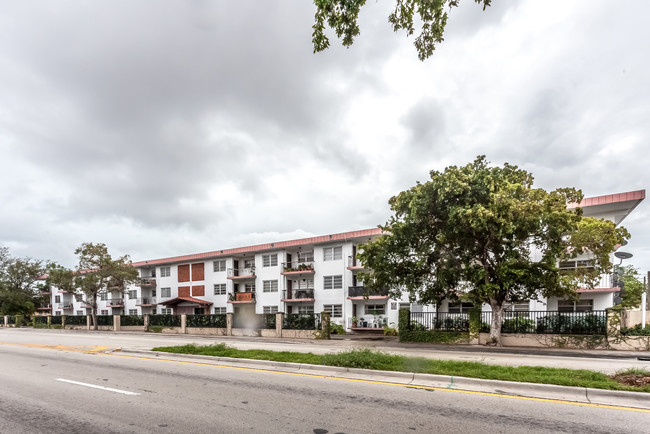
(584,290)
(610,198)
(259,247)
(178,300)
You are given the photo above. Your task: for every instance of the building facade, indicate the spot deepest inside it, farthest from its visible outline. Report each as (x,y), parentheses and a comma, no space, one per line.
(304,276)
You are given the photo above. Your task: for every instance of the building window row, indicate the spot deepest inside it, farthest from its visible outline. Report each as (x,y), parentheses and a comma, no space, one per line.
(333,282)
(332,253)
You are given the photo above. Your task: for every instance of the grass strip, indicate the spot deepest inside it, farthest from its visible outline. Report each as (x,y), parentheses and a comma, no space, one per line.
(365,358)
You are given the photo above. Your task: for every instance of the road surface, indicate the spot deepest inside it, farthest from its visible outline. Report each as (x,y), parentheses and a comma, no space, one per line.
(73,386)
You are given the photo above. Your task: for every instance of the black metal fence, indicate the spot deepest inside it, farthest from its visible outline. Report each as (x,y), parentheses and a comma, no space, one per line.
(11,320)
(131,320)
(76,320)
(207,321)
(267,321)
(536,322)
(104,320)
(165,320)
(40,320)
(301,321)
(57,320)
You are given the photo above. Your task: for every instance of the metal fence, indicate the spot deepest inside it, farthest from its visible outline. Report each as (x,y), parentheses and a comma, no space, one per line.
(301,321)
(131,320)
(104,320)
(11,320)
(537,322)
(40,320)
(56,320)
(77,320)
(165,320)
(207,321)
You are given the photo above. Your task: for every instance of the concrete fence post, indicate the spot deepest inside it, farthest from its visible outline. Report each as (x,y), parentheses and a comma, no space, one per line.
(88,318)
(6,320)
(183,323)
(229,324)
(278,324)
(116,323)
(63,322)
(49,321)
(146,322)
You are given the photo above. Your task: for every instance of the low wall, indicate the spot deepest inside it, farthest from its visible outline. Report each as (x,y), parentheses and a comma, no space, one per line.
(245,332)
(634,317)
(298,334)
(206,331)
(631,343)
(549,341)
(132,328)
(78,327)
(269,333)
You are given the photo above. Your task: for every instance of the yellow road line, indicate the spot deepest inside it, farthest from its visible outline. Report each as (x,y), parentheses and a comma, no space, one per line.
(388,383)
(88,349)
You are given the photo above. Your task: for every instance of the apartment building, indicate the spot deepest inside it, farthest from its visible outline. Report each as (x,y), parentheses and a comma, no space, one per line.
(303,276)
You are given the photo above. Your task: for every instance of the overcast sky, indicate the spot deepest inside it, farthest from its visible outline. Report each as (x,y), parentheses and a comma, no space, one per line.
(171,127)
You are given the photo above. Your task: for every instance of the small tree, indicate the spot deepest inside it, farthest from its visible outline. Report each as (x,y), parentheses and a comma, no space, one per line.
(96,273)
(633,288)
(486,234)
(19,290)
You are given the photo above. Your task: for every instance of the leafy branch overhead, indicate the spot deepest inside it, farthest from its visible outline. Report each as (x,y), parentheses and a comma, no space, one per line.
(343,17)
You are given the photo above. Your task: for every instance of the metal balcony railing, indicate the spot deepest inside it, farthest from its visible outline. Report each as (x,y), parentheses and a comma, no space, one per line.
(115,302)
(298,266)
(145,301)
(147,282)
(242,273)
(298,294)
(361,291)
(65,306)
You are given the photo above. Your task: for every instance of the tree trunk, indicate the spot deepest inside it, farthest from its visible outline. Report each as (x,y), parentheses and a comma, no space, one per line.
(93,314)
(495,326)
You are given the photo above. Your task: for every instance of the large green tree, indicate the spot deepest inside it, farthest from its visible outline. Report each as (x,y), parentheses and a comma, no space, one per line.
(485,234)
(343,17)
(96,273)
(19,284)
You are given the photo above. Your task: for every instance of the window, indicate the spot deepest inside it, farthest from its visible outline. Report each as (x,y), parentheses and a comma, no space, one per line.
(249,287)
(270,260)
(578,306)
(308,308)
(219,266)
(405,306)
(335,310)
(58,313)
(376,309)
(132,294)
(165,271)
(133,311)
(524,306)
(80,313)
(57,299)
(219,288)
(249,263)
(103,312)
(220,310)
(270,309)
(332,253)
(333,282)
(103,296)
(270,285)
(166,311)
(165,292)
(460,307)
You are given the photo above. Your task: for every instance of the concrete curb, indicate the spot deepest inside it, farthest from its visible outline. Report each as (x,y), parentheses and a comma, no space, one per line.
(496,387)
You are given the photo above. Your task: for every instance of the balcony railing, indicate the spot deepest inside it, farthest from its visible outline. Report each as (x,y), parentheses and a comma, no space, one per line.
(241,273)
(354,264)
(147,282)
(242,297)
(115,302)
(298,267)
(146,301)
(361,291)
(298,294)
(65,306)
(45,307)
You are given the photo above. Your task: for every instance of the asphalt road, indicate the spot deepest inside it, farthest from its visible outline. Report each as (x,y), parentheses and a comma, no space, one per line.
(73,386)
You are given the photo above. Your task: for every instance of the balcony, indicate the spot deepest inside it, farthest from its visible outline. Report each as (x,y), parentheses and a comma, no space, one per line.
(354,264)
(241,297)
(45,307)
(297,267)
(148,282)
(45,293)
(241,273)
(360,292)
(115,302)
(298,295)
(65,306)
(146,301)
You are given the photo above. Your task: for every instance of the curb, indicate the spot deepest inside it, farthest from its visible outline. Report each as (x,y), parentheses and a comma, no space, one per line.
(581,395)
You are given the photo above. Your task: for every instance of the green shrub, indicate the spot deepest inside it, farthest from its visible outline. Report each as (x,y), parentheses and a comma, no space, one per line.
(518,325)
(637,330)
(336,329)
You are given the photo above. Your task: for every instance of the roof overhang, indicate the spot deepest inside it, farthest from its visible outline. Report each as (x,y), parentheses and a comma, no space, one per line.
(179,300)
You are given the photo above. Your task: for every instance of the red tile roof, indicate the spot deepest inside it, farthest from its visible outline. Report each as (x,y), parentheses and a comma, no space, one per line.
(268,246)
(178,300)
